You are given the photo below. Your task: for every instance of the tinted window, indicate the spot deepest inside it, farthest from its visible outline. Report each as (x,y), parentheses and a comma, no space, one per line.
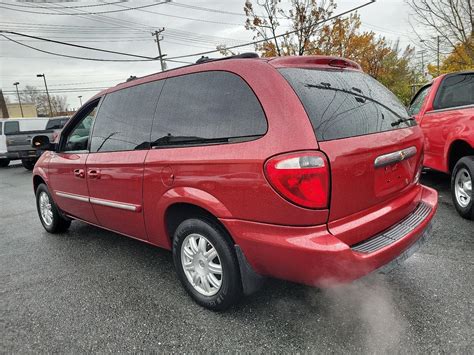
(456,90)
(417,102)
(125,118)
(209,106)
(56,123)
(343,104)
(12,127)
(78,137)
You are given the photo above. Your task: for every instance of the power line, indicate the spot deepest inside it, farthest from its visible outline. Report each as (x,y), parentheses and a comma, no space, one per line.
(67,7)
(174,3)
(74,13)
(277,36)
(184,17)
(75,57)
(74,45)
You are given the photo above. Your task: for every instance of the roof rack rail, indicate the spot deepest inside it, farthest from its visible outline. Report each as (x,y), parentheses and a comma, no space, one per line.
(204,59)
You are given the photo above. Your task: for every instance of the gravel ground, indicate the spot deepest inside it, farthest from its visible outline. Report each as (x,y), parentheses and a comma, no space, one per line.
(95,291)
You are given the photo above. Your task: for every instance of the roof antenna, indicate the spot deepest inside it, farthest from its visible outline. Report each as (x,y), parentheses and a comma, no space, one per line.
(202,60)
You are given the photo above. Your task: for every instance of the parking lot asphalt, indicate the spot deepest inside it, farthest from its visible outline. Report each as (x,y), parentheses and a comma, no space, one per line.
(93,290)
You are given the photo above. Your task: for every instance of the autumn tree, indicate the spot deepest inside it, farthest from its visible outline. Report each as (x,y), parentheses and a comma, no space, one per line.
(457,60)
(305,18)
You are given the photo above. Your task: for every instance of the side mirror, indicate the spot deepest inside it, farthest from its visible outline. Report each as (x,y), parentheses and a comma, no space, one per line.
(42,143)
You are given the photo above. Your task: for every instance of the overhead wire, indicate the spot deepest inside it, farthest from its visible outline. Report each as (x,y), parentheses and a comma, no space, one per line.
(277,36)
(2,4)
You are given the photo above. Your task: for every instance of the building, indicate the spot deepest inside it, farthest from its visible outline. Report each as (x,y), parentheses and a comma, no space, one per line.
(29,110)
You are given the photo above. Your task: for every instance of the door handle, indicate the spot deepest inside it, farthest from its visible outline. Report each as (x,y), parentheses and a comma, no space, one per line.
(79,173)
(94,174)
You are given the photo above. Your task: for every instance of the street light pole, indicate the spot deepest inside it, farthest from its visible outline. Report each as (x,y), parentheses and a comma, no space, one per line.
(437,52)
(80,99)
(19,100)
(47,93)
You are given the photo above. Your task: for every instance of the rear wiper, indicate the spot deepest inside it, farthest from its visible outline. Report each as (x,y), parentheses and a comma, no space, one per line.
(359,97)
(169,139)
(402,120)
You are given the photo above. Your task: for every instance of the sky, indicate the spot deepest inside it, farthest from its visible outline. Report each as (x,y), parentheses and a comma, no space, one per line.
(188,29)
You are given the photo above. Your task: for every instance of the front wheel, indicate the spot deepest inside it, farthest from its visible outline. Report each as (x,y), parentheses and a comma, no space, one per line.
(49,215)
(461,187)
(206,264)
(4,163)
(28,164)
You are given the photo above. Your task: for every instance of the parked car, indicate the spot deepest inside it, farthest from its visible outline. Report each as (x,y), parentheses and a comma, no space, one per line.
(19,138)
(18,133)
(444,110)
(299,168)
(4,160)
(55,125)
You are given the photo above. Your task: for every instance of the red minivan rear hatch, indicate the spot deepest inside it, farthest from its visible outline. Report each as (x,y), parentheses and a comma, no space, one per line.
(373,147)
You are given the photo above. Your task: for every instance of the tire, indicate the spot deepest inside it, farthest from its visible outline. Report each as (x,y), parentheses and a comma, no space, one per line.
(4,163)
(56,223)
(461,187)
(28,164)
(205,291)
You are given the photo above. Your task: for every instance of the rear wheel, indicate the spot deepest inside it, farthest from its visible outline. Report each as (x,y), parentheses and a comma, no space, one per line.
(49,215)
(4,163)
(206,264)
(461,187)
(28,164)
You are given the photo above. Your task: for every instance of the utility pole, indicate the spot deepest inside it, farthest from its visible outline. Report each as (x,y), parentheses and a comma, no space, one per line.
(157,40)
(80,99)
(422,52)
(437,56)
(47,93)
(19,100)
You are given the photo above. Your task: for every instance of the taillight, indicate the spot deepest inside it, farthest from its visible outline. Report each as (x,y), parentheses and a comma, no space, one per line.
(302,178)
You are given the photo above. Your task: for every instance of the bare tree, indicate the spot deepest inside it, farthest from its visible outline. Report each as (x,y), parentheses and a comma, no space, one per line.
(32,95)
(452,21)
(303,16)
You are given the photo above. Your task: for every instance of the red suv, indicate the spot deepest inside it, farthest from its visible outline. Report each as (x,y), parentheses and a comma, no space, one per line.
(299,168)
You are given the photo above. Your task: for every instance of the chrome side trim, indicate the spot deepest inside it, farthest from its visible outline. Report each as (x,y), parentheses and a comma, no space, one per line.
(394,157)
(120,205)
(72,196)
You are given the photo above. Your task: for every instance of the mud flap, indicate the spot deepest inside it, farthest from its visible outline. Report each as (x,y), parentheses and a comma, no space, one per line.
(251,281)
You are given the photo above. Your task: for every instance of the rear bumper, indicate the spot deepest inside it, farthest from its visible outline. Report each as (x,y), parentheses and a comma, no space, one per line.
(313,256)
(23,154)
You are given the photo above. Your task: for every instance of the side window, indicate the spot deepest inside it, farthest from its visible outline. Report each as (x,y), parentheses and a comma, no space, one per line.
(78,137)
(125,118)
(205,107)
(12,127)
(417,102)
(456,90)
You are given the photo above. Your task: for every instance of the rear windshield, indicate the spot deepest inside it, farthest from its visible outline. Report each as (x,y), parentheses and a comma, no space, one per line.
(342,104)
(56,123)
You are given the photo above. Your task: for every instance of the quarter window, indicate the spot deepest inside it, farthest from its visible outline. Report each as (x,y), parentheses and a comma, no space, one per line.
(125,118)
(207,107)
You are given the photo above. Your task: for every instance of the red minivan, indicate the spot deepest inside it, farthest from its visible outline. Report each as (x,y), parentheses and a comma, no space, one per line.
(299,168)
